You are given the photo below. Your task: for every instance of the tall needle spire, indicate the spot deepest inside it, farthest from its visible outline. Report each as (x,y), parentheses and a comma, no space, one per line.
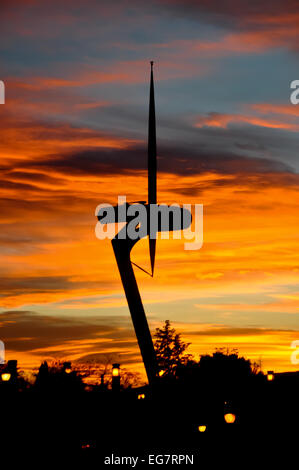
(152,162)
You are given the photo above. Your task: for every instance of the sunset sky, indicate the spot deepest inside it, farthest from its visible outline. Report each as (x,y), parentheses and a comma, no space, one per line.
(74,135)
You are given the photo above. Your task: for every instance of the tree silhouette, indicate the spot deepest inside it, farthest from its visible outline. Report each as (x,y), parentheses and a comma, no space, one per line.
(130,379)
(170,349)
(226,365)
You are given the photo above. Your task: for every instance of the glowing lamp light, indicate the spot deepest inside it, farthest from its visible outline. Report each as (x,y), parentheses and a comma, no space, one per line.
(115,370)
(161,372)
(202,428)
(270,376)
(5,376)
(67,368)
(230,418)
(141,396)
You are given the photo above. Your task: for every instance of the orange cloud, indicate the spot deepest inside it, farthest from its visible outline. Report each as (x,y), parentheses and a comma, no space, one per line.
(268,108)
(224,120)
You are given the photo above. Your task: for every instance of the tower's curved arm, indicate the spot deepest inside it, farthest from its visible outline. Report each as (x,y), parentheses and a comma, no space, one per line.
(122,250)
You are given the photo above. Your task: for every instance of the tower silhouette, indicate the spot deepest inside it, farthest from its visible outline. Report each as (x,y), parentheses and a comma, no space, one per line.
(122,249)
(123,245)
(152,162)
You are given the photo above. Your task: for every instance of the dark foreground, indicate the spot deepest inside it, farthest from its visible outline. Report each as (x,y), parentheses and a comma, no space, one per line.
(161,429)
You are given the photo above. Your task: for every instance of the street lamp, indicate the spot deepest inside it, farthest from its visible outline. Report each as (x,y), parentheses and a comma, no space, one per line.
(202,428)
(115,370)
(5,376)
(10,373)
(67,367)
(270,375)
(229,418)
(115,377)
